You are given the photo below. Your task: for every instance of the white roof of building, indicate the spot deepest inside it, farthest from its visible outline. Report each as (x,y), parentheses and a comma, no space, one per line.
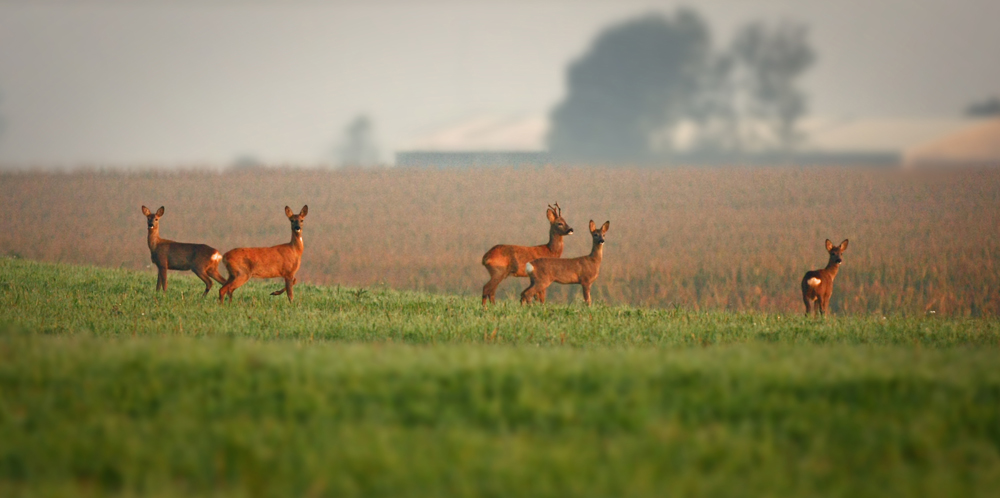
(486,133)
(527,133)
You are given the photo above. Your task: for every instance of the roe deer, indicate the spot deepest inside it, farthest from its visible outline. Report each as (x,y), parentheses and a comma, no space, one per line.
(169,255)
(582,270)
(818,284)
(504,260)
(266,262)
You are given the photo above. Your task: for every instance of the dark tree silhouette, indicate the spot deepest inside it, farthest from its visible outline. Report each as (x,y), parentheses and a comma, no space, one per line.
(358,148)
(638,79)
(749,100)
(765,63)
(985,108)
(629,96)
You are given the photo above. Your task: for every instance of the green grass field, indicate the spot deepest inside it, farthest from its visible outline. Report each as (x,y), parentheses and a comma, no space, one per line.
(109,389)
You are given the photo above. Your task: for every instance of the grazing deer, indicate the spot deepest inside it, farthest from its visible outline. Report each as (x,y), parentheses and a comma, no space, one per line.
(504,260)
(582,270)
(818,284)
(266,262)
(169,255)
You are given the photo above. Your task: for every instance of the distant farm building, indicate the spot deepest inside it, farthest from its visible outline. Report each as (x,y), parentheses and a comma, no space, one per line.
(887,142)
(461,159)
(480,141)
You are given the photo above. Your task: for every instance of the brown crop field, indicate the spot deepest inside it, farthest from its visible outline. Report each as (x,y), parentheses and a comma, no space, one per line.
(721,238)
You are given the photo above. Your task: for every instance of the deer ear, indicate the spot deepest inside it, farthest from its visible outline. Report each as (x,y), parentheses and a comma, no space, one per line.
(605,227)
(551,215)
(145,211)
(843,245)
(304,212)
(829,245)
(593,227)
(288,212)
(159,212)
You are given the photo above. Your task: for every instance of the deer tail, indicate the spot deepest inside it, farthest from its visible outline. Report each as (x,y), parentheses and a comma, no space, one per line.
(529,268)
(216,257)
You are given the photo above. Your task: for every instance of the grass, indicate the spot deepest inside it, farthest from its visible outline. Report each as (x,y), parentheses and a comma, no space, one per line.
(107,388)
(65,300)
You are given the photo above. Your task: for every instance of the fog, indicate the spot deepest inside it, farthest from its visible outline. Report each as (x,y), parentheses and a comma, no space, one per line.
(207,83)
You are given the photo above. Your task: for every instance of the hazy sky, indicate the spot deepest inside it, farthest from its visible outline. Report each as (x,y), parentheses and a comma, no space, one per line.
(202,82)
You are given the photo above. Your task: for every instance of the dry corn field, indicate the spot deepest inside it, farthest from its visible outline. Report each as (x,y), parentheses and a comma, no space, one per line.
(737,239)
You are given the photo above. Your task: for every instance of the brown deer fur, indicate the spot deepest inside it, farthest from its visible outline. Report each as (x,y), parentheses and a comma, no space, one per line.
(282,261)
(582,270)
(817,285)
(169,255)
(505,260)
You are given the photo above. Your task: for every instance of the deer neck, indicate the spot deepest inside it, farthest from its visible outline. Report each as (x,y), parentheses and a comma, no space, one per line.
(296,242)
(153,238)
(831,269)
(597,252)
(555,244)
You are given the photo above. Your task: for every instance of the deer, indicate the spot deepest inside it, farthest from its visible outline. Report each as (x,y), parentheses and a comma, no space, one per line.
(817,285)
(582,270)
(282,261)
(166,254)
(503,260)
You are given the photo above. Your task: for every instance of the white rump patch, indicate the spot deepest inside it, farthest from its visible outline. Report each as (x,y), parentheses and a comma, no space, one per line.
(528,268)
(814,282)
(216,256)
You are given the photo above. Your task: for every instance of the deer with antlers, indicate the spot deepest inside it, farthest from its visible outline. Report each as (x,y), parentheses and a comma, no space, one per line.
(282,261)
(582,270)
(817,285)
(166,254)
(504,260)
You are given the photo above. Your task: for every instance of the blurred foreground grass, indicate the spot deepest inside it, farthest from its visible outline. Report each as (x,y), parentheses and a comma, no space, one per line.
(109,389)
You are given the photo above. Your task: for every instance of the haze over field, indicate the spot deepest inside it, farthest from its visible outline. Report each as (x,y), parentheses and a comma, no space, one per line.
(168,83)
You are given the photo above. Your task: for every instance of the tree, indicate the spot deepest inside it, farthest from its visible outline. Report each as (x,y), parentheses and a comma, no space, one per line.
(357,148)
(636,81)
(986,108)
(764,64)
(653,86)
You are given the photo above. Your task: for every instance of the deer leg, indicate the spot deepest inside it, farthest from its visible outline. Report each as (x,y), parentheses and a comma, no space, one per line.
(225,287)
(204,278)
(234,282)
(163,278)
(586,293)
(159,280)
(497,275)
(286,287)
(213,271)
(541,294)
(527,294)
(289,282)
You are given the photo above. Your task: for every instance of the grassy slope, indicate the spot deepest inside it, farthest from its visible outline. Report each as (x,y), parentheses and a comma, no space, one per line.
(105,386)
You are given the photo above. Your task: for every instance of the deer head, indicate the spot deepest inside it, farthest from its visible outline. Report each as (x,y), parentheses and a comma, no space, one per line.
(835,252)
(557,222)
(598,233)
(297,219)
(152,219)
